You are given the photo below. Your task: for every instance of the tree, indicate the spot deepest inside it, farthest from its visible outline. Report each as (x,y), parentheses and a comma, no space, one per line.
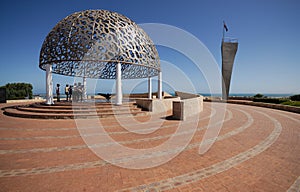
(18,90)
(295,97)
(258,95)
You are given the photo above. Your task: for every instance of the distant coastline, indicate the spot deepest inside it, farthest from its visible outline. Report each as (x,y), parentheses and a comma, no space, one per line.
(273,95)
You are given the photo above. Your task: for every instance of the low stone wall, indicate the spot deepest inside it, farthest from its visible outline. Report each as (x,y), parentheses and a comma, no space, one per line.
(157,105)
(182,107)
(145,95)
(25,100)
(268,105)
(187,107)
(184,95)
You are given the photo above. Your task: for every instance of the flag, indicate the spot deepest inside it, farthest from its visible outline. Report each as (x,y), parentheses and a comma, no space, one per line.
(225,27)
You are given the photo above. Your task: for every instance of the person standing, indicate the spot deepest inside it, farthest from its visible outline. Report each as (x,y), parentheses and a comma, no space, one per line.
(75,92)
(70,92)
(67,92)
(57,93)
(80,91)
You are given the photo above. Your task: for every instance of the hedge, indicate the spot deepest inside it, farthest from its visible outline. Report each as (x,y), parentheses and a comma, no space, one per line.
(18,90)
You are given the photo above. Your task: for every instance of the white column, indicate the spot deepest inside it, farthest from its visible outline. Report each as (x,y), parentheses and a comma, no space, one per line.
(118,84)
(149,88)
(159,90)
(49,85)
(84,88)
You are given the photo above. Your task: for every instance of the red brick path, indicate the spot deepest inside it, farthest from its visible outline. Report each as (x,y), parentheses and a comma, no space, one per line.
(257,150)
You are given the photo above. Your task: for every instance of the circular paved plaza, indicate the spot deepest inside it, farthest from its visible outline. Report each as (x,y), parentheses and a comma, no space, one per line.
(257,150)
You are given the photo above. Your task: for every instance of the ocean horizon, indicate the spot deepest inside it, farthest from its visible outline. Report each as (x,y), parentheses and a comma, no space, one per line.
(274,95)
(250,94)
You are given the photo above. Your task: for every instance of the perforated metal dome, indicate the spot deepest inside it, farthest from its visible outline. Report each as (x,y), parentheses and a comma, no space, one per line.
(90,43)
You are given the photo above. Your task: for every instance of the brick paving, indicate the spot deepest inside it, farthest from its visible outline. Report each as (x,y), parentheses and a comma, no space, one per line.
(257,150)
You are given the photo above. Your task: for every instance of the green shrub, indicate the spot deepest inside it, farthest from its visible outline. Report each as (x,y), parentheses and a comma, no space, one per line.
(295,97)
(270,100)
(258,95)
(291,103)
(18,90)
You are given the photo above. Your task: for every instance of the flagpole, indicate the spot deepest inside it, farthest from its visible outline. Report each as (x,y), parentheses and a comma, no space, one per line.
(223,34)
(223,31)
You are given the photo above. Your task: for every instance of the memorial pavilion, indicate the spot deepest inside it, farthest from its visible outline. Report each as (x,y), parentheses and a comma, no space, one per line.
(99,44)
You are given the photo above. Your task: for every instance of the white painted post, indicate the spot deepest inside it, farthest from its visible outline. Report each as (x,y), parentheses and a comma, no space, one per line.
(49,85)
(118,84)
(159,90)
(149,88)
(84,88)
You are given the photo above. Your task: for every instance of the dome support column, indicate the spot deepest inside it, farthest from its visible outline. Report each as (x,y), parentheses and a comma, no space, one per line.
(159,90)
(49,85)
(84,88)
(149,88)
(119,95)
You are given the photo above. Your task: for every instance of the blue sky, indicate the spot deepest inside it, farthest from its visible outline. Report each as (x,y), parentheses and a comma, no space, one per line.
(268,59)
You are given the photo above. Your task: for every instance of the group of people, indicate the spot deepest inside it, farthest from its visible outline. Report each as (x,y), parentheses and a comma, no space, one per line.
(73,93)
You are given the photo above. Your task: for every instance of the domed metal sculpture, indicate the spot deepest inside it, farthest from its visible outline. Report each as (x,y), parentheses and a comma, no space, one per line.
(99,44)
(90,43)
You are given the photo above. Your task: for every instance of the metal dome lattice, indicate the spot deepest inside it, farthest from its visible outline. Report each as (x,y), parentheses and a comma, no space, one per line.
(90,43)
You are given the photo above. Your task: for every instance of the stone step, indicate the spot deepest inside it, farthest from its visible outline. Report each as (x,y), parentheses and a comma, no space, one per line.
(82,106)
(65,110)
(77,110)
(25,114)
(64,103)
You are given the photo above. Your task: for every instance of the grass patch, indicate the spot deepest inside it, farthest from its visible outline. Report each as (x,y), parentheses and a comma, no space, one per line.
(291,103)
